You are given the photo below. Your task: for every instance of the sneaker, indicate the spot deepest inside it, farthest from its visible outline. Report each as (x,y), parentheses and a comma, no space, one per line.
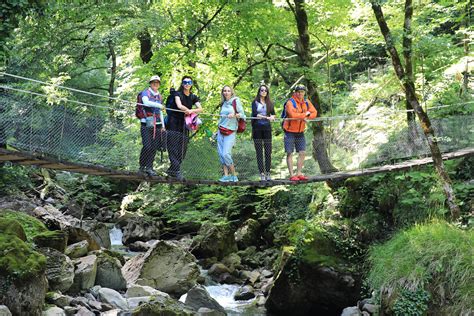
(294,178)
(234,179)
(225,179)
(302,177)
(142,170)
(263,177)
(268,177)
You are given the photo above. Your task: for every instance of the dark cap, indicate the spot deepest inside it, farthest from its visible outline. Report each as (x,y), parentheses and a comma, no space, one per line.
(300,87)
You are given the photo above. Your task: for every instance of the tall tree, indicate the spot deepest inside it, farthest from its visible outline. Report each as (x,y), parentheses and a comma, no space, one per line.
(305,58)
(422,116)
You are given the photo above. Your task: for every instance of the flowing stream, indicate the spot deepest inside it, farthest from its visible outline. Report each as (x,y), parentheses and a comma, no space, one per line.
(222,293)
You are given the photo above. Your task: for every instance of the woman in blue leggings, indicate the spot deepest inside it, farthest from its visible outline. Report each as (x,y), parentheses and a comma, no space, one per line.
(228,131)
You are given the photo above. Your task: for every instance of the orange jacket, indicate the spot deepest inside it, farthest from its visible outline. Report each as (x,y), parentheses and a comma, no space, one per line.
(298,126)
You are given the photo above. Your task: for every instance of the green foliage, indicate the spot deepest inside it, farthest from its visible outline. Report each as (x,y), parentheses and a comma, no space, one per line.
(14,179)
(17,260)
(31,225)
(434,257)
(413,303)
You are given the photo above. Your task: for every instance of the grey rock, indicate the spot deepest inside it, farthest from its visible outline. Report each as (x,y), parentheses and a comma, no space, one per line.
(4,311)
(59,270)
(109,272)
(134,302)
(140,228)
(85,273)
(198,297)
(24,298)
(248,234)
(113,298)
(136,290)
(82,311)
(77,250)
(165,267)
(54,311)
(244,293)
(351,311)
(95,290)
(214,241)
(59,299)
(371,308)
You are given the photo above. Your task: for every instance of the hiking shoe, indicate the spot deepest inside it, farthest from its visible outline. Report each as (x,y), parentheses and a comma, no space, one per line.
(225,179)
(263,177)
(142,170)
(294,178)
(302,177)
(268,177)
(234,179)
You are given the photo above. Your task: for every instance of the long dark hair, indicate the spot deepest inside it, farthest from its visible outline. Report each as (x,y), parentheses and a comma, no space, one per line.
(268,102)
(181,84)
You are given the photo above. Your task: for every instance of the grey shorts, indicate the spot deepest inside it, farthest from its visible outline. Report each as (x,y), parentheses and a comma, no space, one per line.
(294,141)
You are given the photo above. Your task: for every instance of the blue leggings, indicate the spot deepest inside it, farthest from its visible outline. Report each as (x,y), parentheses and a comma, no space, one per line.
(224,148)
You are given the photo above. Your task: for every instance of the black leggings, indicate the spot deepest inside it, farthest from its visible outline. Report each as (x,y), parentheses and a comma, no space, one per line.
(262,139)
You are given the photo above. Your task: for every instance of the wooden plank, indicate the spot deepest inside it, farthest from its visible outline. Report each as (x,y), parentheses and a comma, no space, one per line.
(46,162)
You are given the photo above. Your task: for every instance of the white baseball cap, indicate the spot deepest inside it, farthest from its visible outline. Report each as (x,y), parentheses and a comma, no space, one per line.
(154,78)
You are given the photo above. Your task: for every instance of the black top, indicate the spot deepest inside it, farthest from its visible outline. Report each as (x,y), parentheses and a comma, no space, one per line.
(176,119)
(186,100)
(263,123)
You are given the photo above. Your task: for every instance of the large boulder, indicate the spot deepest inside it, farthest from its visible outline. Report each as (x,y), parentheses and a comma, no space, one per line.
(166,267)
(248,234)
(214,241)
(109,272)
(99,232)
(85,273)
(140,229)
(59,270)
(76,230)
(23,283)
(198,297)
(304,288)
(77,250)
(56,239)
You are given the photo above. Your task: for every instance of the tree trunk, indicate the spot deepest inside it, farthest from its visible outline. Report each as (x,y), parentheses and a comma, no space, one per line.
(304,55)
(422,116)
(407,54)
(466,42)
(113,73)
(145,46)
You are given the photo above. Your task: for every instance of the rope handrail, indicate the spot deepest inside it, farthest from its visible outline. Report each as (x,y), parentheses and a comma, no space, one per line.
(276,119)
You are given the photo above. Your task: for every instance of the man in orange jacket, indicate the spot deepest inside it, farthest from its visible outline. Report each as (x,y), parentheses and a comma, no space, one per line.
(298,111)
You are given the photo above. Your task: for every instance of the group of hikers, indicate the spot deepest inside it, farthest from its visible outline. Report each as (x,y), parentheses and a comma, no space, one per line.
(182,108)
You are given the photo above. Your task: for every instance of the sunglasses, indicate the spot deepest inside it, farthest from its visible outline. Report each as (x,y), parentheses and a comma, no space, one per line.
(263,90)
(189,82)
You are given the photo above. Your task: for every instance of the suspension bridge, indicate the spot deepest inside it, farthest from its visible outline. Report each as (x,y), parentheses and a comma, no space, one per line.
(51,131)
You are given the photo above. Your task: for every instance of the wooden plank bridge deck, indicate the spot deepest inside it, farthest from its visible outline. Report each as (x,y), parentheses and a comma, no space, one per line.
(23,158)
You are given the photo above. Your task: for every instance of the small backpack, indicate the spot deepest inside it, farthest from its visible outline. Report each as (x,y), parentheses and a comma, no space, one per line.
(139,110)
(283,113)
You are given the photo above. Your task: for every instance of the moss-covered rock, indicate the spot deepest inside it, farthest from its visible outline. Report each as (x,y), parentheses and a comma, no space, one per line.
(22,281)
(12,227)
(214,241)
(31,225)
(17,259)
(56,239)
(163,306)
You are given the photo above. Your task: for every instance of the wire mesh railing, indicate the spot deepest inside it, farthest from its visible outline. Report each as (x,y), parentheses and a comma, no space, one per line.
(74,132)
